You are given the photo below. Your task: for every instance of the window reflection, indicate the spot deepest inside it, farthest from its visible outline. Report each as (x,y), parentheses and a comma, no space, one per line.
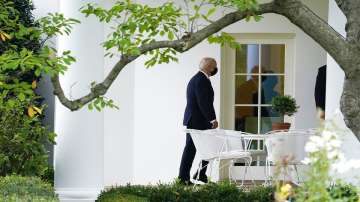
(247,57)
(272,57)
(268,119)
(246,92)
(272,86)
(246,119)
(254,107)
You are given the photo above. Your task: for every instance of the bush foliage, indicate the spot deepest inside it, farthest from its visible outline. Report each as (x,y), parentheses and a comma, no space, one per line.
(23,189)
(22,135)
(285,105)
(212,192)
(22,139)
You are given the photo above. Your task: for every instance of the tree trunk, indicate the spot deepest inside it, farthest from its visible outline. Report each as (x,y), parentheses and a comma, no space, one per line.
(350,102)
(350,99)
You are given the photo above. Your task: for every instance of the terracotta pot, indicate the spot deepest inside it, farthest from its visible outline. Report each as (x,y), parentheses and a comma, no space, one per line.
(281,126)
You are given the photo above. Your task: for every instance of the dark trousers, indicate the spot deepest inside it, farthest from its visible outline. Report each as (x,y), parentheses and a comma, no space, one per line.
(187,160)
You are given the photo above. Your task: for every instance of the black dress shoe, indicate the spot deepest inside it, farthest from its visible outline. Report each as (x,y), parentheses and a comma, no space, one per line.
(202,178)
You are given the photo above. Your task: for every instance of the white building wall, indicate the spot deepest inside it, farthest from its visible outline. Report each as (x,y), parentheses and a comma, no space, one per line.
(160,101)
(143,141)
(335,75)
(119,124)
(160,95)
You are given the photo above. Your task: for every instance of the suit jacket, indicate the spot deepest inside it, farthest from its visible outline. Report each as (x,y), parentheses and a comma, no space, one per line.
(320,88)
(199,110)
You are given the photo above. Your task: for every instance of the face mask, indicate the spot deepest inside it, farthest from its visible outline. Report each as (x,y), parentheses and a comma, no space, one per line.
(213,72)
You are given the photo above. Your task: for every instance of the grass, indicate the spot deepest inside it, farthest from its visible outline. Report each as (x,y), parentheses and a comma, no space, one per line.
(174,192)
(122,198)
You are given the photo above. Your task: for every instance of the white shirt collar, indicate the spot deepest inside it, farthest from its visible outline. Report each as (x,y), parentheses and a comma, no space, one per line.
(205,74)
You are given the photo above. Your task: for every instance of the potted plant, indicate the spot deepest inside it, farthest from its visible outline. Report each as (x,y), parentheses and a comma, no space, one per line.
(284,105)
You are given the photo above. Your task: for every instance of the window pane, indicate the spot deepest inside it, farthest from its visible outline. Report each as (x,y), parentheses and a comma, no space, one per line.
(273,58)
(257,145)
(271,86)
(246,119)
(269,116)
(247,59)
(246,89)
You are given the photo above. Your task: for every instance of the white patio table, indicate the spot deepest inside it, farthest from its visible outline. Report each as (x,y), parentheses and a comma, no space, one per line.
(228,147)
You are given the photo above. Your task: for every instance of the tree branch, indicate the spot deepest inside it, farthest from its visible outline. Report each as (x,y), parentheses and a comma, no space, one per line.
(181,45)
(300,15)
(351,9)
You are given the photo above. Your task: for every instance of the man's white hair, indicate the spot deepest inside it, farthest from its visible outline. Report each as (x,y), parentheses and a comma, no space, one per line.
(206,61)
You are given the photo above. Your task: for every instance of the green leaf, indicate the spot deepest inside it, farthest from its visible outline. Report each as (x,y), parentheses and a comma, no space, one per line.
(90,106)
(258,18)
(12,65)
(97,101)
(171,36)
(210,11)
(135,51)
(38,72)
(21,97)
(11,103)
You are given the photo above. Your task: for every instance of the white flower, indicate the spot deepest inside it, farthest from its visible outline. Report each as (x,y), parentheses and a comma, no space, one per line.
(333,154)
(334,143)
(311,147)
(306,161)
(345,166)
(318,140)
(328,135)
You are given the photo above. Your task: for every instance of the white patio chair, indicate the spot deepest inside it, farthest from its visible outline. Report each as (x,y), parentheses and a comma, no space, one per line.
(216,145)
(286,144)
(259,151)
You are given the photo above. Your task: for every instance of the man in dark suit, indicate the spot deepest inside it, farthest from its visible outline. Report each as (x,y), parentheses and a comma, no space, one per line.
(320,92)
(199,114)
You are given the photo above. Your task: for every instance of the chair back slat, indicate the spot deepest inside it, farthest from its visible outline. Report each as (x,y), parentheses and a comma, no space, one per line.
(210,143)
(287,144)
(207,144)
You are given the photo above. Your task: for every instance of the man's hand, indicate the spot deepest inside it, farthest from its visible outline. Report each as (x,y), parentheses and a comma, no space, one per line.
(320,114)
(215,124)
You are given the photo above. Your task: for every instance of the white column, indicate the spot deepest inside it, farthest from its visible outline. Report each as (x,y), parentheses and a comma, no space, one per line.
(79,153)
(45,89)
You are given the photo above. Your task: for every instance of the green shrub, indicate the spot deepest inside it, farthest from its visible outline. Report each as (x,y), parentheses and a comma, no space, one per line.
(122,198)
(212,192)
(123,193)
(22,139)
(261,194)
(285,105)
(23,189)
(345,192)
(22,134)
(24,16)
(49,175)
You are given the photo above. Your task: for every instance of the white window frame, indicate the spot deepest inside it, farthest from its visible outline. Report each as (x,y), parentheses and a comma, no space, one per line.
(228,74)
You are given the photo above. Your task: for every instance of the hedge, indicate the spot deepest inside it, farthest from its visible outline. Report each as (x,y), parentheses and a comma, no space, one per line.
(23,189)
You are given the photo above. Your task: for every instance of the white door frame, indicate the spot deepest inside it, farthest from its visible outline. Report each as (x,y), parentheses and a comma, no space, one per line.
(227,80)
